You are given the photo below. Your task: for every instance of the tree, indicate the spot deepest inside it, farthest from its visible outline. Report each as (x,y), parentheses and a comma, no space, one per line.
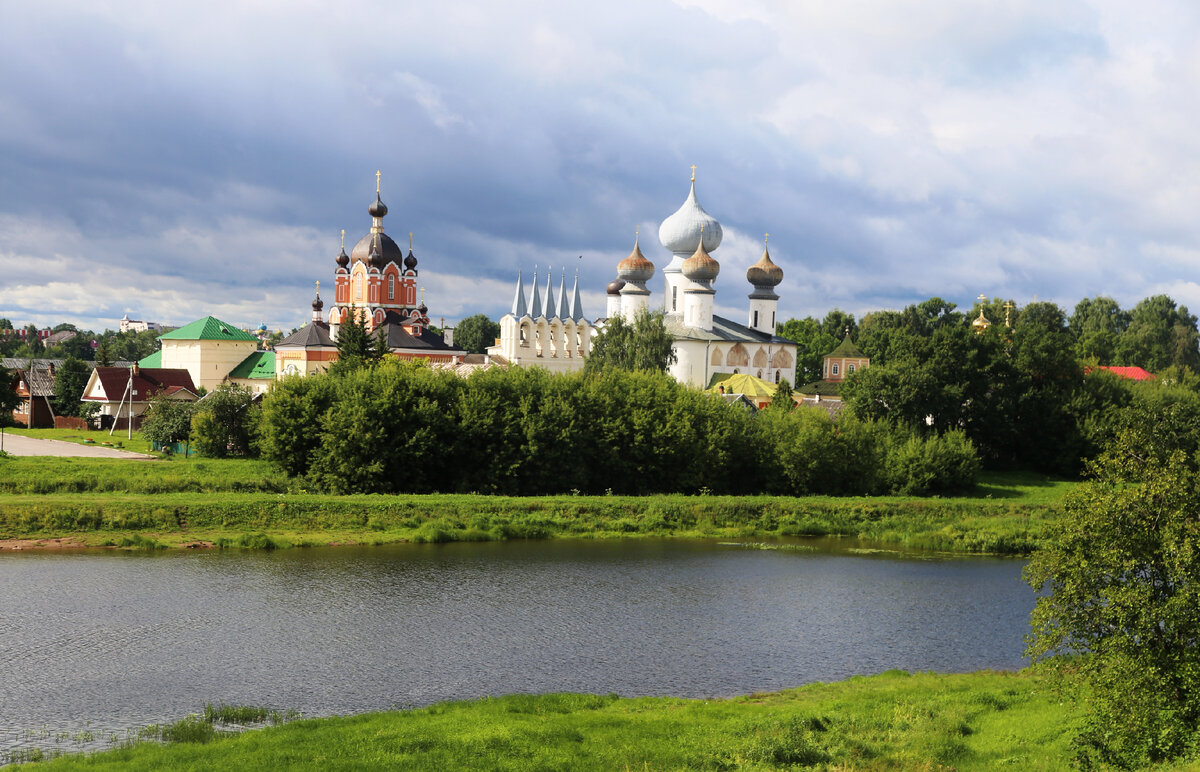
(69,382)
(812,344)
(475,333)
(782,398)
(1097,324)
(643,345)
(226,422)
(1120,577)
(168,420)
(1159,334)
(356,346)
(8,396)
(32,342)
(103,355)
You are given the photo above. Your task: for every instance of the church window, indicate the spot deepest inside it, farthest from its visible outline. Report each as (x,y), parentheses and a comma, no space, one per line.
(849,368)
(391,286)
(755,322)
(772,320)
(777,374)
(835,369)
(358,284)
(674,298)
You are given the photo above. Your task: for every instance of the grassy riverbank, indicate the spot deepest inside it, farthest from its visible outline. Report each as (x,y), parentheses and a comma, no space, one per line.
(245,503)
(978,721)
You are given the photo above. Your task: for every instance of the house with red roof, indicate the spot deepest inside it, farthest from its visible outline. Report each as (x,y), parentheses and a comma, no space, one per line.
(1132,373)
(123,392)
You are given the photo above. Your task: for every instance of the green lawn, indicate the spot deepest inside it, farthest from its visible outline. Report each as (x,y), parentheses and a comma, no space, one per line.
(245,502)
(894,721)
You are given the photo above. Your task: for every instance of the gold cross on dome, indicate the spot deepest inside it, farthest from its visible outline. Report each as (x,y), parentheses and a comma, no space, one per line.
(410,241)
(378,174)
(693,172)
(318,288)
(982,298)
(343,239)
(766,237)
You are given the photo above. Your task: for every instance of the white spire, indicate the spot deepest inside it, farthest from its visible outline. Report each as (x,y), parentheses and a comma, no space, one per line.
(535,304)
(576,303)
(551,311)
(564,305)
(518,307)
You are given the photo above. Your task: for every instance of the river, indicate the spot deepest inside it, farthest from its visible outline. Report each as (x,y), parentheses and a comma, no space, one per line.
(108,641)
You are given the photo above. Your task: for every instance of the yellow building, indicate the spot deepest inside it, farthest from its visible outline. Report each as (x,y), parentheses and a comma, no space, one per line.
(212,352)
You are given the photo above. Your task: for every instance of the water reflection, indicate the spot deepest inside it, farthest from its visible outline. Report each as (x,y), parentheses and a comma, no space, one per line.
(124,640)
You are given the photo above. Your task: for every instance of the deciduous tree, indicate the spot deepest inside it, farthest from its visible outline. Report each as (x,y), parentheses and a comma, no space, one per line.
(1120,577)
(69,382)
(643,345)
(475,333)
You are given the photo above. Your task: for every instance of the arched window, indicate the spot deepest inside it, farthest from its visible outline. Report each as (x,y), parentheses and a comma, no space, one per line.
(391,286)
(835,368)
(849,368)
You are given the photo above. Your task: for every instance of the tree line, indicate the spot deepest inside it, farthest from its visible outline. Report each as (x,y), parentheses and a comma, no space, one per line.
(404,427)
(1029,393)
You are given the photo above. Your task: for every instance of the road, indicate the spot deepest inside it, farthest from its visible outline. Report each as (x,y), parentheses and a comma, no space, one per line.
(29,446)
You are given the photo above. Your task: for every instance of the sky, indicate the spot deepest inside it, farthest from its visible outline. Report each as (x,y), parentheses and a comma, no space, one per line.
(170,161)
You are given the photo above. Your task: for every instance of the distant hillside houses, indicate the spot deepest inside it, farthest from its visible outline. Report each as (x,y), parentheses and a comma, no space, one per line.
(133,325)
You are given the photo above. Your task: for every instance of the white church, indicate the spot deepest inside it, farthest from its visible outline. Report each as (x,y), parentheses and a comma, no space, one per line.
(555,335)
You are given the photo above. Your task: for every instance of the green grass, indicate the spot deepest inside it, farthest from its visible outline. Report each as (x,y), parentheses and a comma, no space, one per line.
(245,503)
(894,721)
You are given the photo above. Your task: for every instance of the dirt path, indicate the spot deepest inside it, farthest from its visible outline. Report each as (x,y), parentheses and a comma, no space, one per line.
(31,446)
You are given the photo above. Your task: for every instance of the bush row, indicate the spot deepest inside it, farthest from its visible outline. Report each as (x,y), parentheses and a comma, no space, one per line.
(402,427)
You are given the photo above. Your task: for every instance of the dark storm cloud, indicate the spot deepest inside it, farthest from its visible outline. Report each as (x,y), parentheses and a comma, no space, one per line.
(174,161)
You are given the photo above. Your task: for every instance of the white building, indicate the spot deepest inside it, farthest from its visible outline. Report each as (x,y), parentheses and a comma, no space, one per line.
(706,344)
(557,337)
(545,332)
(136,325)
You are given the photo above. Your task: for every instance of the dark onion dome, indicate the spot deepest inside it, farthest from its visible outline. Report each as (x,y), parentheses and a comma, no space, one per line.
(410,262)
(764,273)
(317,304)
(635,268)
(375,259)
(423,309)
(700,267)
(377,207)
(614,286)
(388,248)
(343,259)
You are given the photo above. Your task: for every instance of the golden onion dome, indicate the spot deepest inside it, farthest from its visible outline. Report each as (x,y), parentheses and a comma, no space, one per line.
(764,273)
(701,267)
(636,267)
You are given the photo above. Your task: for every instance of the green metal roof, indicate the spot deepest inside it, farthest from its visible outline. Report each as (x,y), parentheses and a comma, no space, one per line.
(847,349)
(260,364)
(823,388)
(208,328)
(154,360)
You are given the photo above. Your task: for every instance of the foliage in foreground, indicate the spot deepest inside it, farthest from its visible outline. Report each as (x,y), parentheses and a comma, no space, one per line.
(979,721)
(401,427)
(1123,571)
